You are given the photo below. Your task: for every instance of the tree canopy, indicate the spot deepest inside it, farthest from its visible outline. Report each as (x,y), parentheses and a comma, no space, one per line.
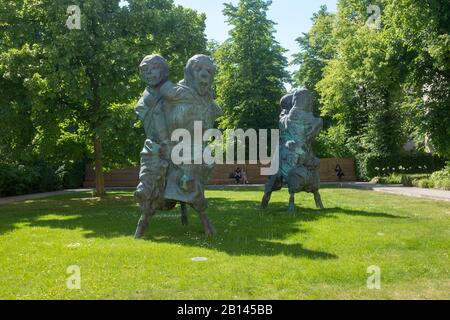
(67,86)
(252,68)
(379,84)
(377,81)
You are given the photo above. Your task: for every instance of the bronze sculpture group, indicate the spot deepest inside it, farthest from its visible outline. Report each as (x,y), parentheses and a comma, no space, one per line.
(166,107)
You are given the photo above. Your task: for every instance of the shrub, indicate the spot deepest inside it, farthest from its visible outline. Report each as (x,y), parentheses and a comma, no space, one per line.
(376,180)
(18,179)
(408,163)
(442,184)
(423,183)
(408,179)
(441,179)
(9,178)
(391,179)
(332,143)
(71,174)
(442,174)
(394,178)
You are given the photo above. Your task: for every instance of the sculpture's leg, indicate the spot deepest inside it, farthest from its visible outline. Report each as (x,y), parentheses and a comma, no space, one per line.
(318,200)
(291,203)
(265,200)
(146,213)
(207,226)
(184,214)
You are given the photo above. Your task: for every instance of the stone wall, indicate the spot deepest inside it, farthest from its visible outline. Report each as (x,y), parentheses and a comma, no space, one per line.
(129,177)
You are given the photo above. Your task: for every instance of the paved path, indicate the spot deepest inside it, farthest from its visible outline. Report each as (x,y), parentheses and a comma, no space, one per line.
(34,196)
(401,190)
(393,189)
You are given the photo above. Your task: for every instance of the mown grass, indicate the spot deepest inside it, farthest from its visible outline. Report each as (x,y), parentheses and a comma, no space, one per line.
(311,254)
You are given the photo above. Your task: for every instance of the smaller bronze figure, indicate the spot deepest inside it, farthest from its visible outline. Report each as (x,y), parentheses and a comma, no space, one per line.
(299,167)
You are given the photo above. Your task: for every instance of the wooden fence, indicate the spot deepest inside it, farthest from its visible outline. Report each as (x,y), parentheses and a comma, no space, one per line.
(221,176)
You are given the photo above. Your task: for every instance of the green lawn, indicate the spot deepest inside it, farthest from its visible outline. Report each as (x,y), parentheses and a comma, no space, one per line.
(310,254)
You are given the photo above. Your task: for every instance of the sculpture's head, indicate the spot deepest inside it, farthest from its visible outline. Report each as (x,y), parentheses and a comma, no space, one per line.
(154,70)
(286,103)
(302,99)
(199,74)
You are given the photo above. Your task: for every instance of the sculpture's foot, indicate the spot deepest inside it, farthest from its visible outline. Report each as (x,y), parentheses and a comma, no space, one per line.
(318,200)
(146,213)
(291,207)
(184,214)
(141,227)
(207,225)
(265,201)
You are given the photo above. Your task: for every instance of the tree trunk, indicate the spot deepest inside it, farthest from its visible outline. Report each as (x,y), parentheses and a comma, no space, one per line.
(99,178)
(95,105)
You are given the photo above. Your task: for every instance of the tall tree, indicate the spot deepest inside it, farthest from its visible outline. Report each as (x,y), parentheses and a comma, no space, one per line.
(361,85)
(422,29)
(81,74)
(317,47)
(381,84)
(252,66)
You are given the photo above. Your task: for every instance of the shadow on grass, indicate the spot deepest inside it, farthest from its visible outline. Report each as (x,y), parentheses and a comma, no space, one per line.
(243,229)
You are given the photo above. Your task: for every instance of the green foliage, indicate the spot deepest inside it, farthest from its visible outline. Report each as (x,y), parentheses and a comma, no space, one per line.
(423,29)
(424,183)
(71,174)
(377,87)
(441,179)
(438,180)
(443,184)
(333,143)
(360,85)
(251,76)
(408,180)
(402,163)
(125,135)
(20,179)
(317,48)
(60,88)
(17,178)
(393,178)
(441,174)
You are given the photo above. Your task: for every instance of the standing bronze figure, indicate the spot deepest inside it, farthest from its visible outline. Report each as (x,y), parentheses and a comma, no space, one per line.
(299,167)
(164,108)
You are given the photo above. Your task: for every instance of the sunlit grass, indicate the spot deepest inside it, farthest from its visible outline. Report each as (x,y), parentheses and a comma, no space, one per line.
(256,255)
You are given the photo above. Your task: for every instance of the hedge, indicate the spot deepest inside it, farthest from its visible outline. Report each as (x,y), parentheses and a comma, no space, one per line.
(18,179)
(369,167)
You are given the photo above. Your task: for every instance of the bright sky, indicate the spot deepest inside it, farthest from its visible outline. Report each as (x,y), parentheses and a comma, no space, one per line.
(292,17)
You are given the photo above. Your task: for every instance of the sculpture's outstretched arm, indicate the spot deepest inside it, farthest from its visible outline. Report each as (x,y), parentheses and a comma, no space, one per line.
(141,109)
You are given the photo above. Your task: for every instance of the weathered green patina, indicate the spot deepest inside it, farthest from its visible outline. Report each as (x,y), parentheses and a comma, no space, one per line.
(164,108)
(299,167)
